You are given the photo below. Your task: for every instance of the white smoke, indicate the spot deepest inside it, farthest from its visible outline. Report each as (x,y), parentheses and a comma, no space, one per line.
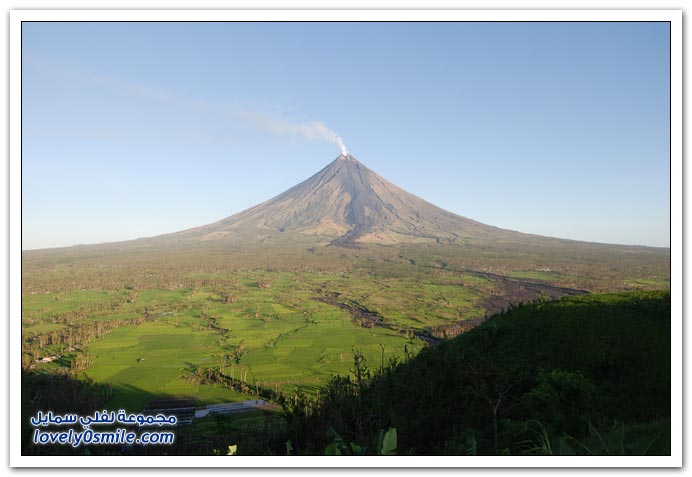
(310,131)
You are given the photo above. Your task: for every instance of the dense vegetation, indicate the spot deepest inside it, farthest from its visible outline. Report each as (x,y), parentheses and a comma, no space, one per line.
(583,375)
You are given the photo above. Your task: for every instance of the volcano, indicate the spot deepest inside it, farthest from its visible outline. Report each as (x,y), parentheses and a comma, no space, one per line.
(345,204)
(346,217)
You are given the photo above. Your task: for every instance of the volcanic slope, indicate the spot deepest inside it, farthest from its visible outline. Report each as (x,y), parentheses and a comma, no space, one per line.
(346,204)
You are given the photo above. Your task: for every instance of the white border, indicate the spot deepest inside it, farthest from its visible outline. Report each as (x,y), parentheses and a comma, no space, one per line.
(673,16)
(346,15)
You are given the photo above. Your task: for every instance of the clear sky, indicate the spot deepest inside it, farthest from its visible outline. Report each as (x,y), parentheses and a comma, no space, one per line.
(137,129)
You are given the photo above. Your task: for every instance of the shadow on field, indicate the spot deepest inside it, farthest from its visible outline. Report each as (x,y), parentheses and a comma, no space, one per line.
(63,394)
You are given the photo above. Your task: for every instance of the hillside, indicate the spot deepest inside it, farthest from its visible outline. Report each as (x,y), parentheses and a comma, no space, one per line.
(586,375)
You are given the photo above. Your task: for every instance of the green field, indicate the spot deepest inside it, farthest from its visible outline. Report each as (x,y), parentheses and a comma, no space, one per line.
(147,360)
(535,275)
(651,282)
(265,329)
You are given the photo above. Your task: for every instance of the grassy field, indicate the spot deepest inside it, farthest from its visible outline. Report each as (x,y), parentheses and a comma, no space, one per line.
(265,329)
(148,360)
(536,275)
(144,362)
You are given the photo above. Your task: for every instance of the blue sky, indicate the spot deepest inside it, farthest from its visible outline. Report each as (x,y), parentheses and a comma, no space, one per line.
(137,129)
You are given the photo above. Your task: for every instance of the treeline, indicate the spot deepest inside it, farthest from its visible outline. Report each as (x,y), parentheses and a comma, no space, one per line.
(69,271)
(74,336)
(219,375)
(79,327)
(453,330)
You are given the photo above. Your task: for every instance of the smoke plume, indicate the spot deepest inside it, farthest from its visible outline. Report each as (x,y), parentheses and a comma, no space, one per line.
(309,131)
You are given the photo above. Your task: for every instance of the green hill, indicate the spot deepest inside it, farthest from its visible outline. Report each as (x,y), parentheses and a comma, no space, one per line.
(582,375)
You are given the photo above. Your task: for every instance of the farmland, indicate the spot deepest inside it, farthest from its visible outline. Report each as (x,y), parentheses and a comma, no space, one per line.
(220,326)
(264,329)
(147,325)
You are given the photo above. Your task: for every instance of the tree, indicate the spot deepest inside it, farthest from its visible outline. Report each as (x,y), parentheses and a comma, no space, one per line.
(493,385)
